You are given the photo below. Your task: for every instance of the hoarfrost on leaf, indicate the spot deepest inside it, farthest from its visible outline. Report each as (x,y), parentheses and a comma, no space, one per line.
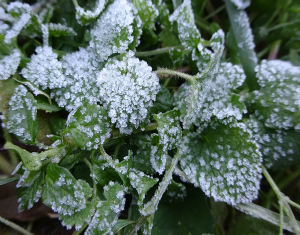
(9,64)
(241,4)
(128,88)
(44,70)
(107,212)
(21,117)
(113,32)
(223,161)
(86,16)
(277,103)
(89,126)
(57,30)
(212,97)
(147,12)
(80,70)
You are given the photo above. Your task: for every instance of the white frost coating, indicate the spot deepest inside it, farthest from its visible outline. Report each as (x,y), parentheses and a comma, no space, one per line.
(278,100)
(9,64)
(158,159)
(61,28)
(127,89)
(241,4)
(113,30)
(80,69)
(147,12)
(243,27)
(45,32)
(44,70)
(231,175)
(211,98)
(17,27)
(3,28)
(20,104)
(83,16)
(278,147)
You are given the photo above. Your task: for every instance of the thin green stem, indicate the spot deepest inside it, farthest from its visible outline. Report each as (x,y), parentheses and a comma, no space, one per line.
(221,8)
(137,226)
(274,50)
(12,154)
(292,203)
(81,229)
(281,218)
(116,151)
(87,162)
(5,166)
(161,72)
(15,226)
(157,51)
(272,183)
(151,206)
(75,3)
(292,218)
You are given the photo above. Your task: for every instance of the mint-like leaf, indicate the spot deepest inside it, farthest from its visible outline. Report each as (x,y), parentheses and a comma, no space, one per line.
(147,12)
(223,161)
(89,126)
(9,64)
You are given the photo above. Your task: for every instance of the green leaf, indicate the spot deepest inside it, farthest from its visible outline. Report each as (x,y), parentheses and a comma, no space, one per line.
(22,115)
(147,12)
(141,182)
(84,17)
(58,30)
(176,192)
(30,188)
(164,100)
(89,126)
(169,129)
(277,102)
(79,217)
(158,155)
(44,104)
(9,64)
(7,88)
(244,39)
(279,148)
(63,193)
(212,97)
(31,161)
(107,212)
(190,216)
(223,161)
(110,37)
(121,224)
(9,180)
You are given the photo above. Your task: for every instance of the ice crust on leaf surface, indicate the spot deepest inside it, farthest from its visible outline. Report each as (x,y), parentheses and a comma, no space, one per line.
(158,155)
(147,12)
(9,64)
(21,117)
(212,97)
(277,103)
(279,148)
(169,129)
(128,88)
(86,16)
(107,212)
(89,126)
(60,30)
(44,70)
(190,37)
(241,4)
(224,161)
(113,32)
(80,69)
(63,193)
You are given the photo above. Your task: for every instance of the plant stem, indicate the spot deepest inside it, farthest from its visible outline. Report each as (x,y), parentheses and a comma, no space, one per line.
(274,50)
(137,226)
(157,51)
(87,162)
(281,218)
(15,226)
(12,154)
(81,229)
(221,8)
(5,165)
(75,3)
(190,78)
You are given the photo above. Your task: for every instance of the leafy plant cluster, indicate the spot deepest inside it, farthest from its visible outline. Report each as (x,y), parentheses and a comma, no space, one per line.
(112,139)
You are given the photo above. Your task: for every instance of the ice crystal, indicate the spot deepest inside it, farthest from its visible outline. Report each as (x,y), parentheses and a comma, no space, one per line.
(223,161)
(147,12)
(22,114)
(213,97)
(277,103)
(85,16)
(80,70)
(128,88)
(9,64)
(89,126)
(44,70)
(59,29)
(241,4)
(113,32)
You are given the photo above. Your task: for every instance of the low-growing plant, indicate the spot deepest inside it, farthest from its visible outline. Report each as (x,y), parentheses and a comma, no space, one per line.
(121,111)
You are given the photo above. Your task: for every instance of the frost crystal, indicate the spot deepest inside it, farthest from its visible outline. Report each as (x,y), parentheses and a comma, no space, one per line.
(277,103)
(44,70)
(59,29)
(213,97)
(241,4)
(147,12)
(279,148)
(9,64)
(114,29)
(89,126)
(85,16)
(224,162)
(22,115)
(80,70)
(127,89)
